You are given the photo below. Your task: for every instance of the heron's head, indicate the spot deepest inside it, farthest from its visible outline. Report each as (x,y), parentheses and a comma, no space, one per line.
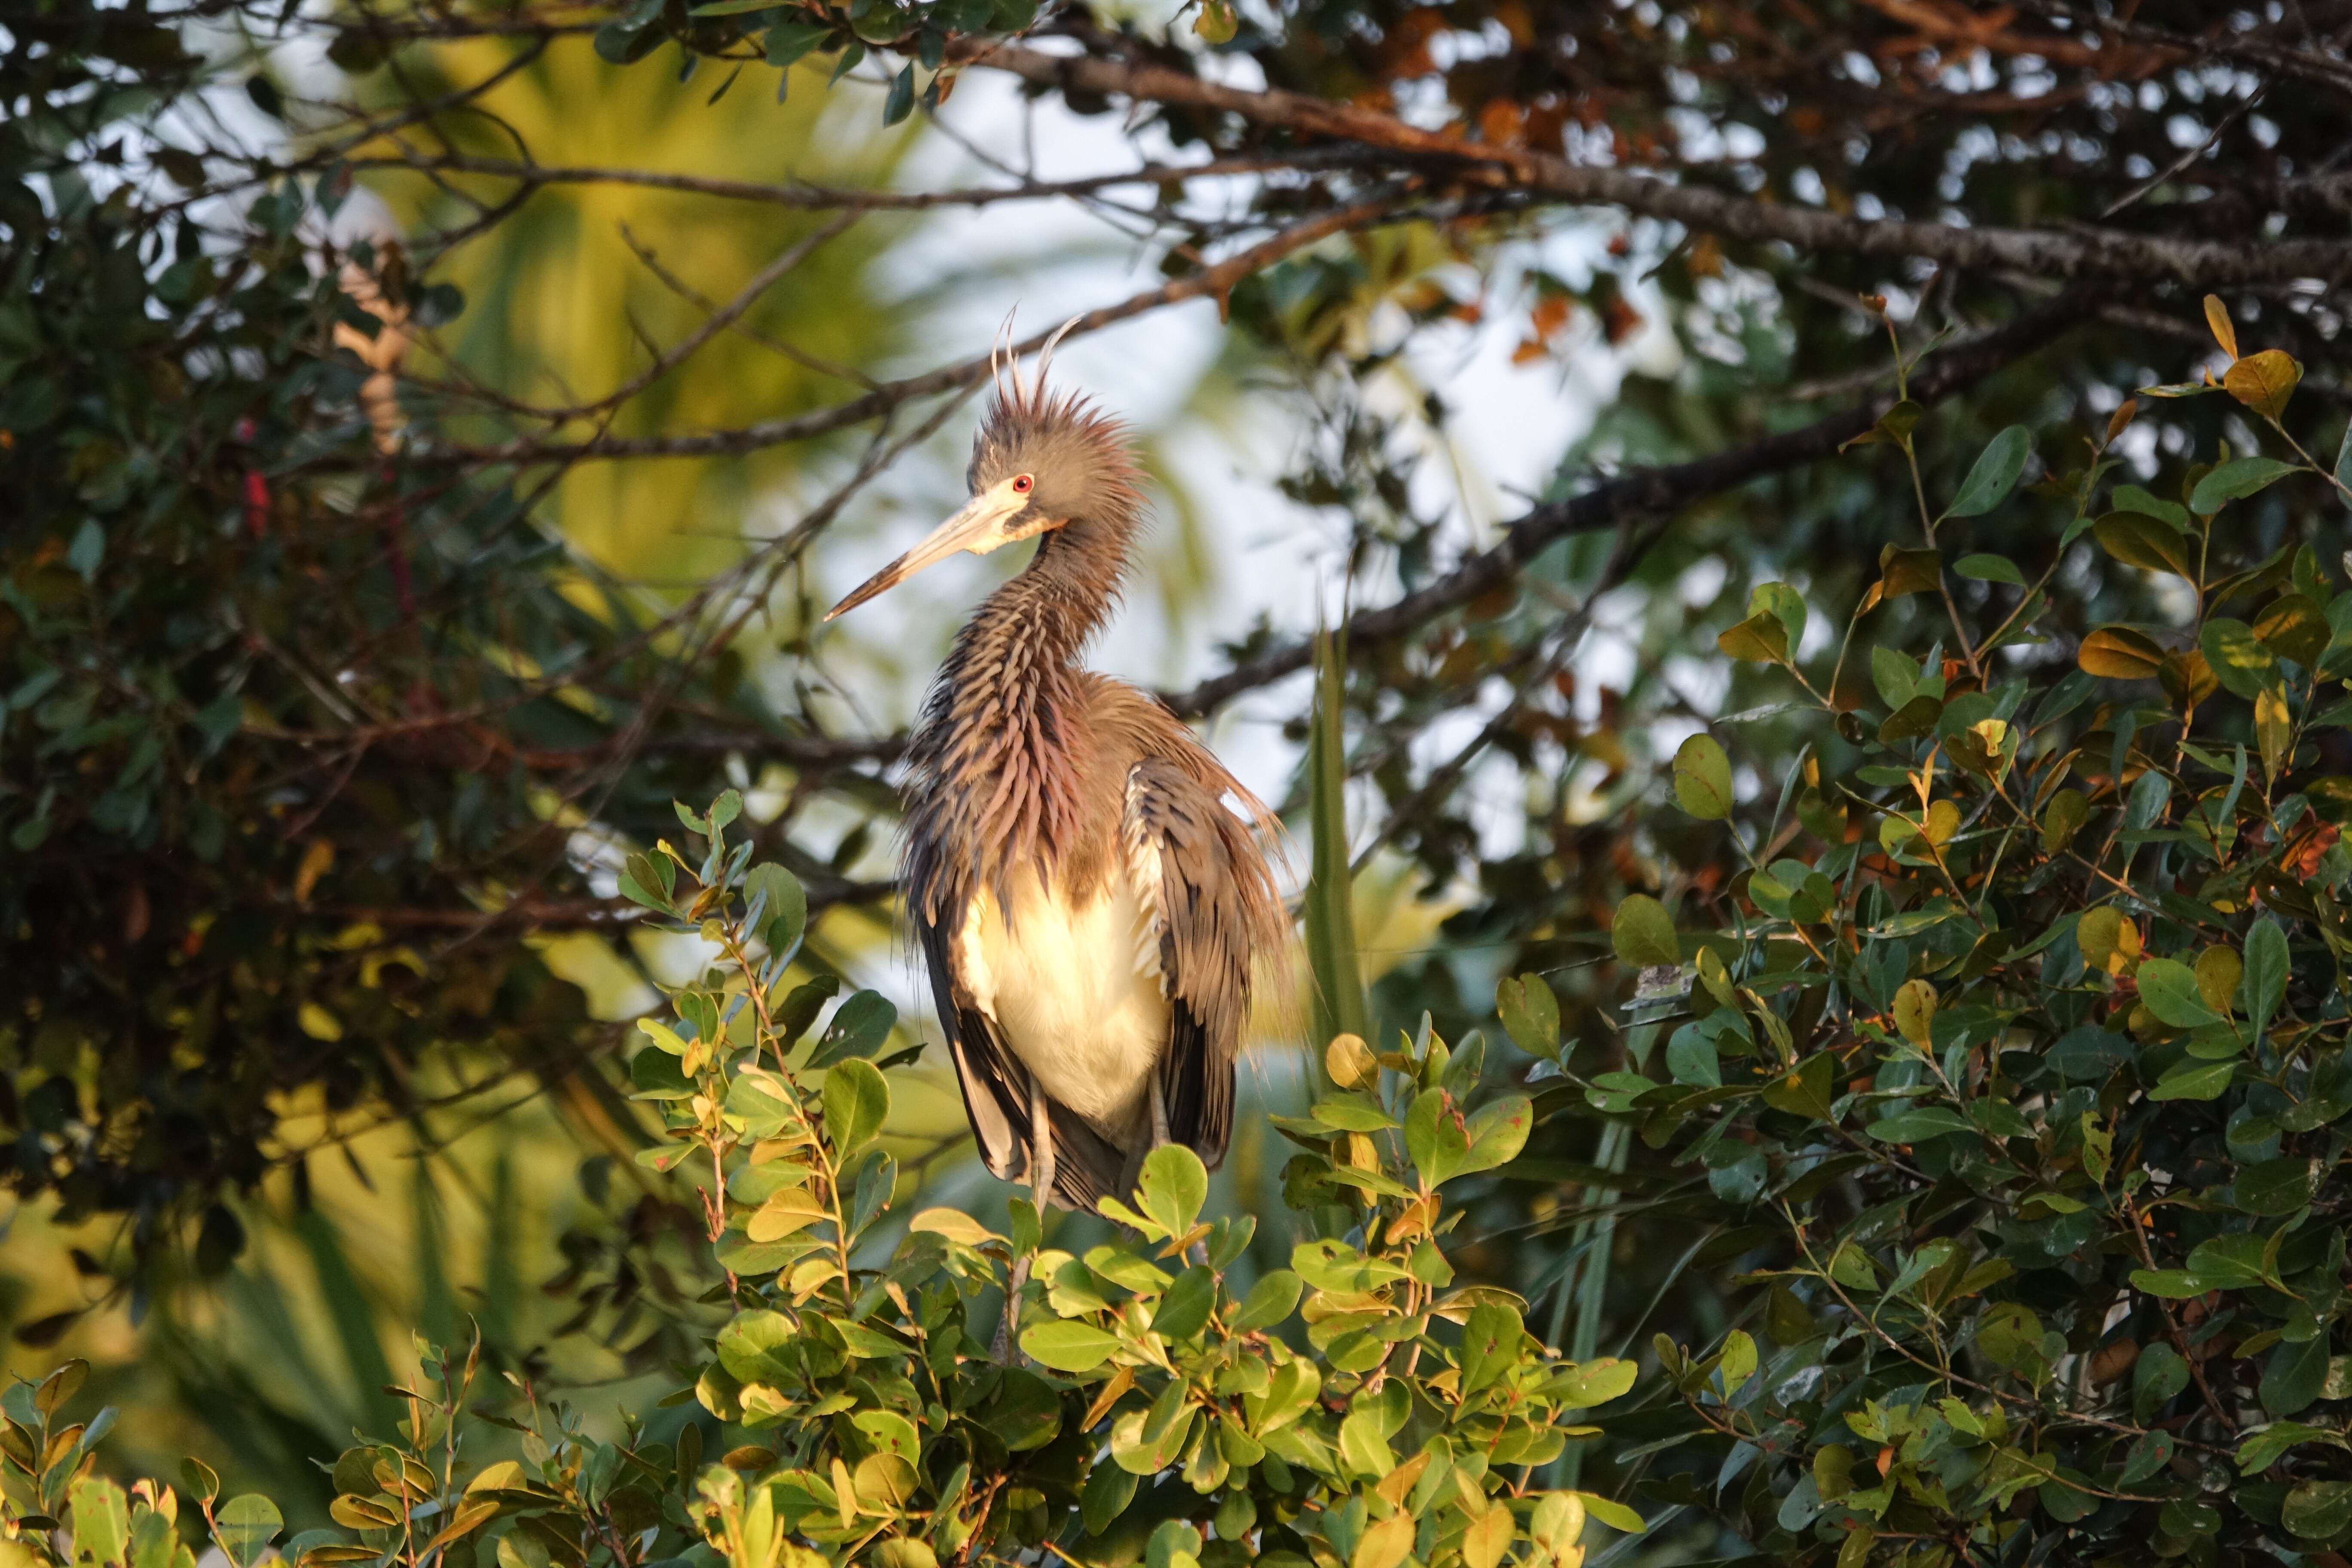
(1041,462)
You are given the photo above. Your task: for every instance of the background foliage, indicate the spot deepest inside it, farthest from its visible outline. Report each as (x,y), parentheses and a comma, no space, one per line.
(424,425)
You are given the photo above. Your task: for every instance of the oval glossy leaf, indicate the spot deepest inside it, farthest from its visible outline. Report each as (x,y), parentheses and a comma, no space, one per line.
(1273,1297)
(856,1103)
(2236,479)
(1990,569)
(2264,382)
(2140,541)
(2170,989)
(245,1526)
(1184,1308)
(1643,933)
(1905,571)
(1759,639)
(2119,653)
(1994,474)
(1174,1185)
(1497,1132)
(1703,778)
(2242,661)
(1067,1346)
(1530,1013)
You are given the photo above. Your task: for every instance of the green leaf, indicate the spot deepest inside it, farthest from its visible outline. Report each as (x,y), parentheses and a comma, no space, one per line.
(1759,639)
(1067,1346)
(1613,1513)
(2236,479)
(2119,653)
(889,1433)
(1184,1308)
(756,1347)
(1990,569)
(2277,1186)
(1917,1126)
(2170,989)
(860,1027)
(245,1526)
(1703,778)
(1437,1138)
(788,41)
(2319,1510)
(2131,497)
(1593,1383)
(783,906)
(2263,1449)
(1109,1488)
(1335,1267)
(901,99)
(1273,1297)
(1807,1090)
(1643,933)
(1916,718)
(1497,1132)
(856,1103)
(2242,661)
(2194,1080)
(2139,541)
(1490,1343)
(1896,675)
(100,1518)
(1530,1013)
(1994,474)
(1173,1186)
(1738,1361)
(1351,1114)
(1784,604)
(2294,1375)
(2266,977)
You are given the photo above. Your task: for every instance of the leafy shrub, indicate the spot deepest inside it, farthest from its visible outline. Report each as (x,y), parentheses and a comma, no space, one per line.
(1355,1410)
(2022,1080)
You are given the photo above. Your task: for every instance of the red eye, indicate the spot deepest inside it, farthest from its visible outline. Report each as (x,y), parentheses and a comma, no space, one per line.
(1020,484)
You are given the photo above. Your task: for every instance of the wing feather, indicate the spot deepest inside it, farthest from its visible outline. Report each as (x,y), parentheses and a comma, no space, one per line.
(1203,881)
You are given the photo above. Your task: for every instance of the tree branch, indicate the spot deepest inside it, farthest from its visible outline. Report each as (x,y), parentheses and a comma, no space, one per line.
(1649,493)
(1210,282)
(2077,252)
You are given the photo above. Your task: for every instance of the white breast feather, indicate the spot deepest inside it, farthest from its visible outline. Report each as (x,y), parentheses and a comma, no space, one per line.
(1070,999)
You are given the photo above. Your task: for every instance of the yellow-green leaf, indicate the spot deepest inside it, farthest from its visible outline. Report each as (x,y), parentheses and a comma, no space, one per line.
(2119,653)
(1703,778)
(1759,639)
(2264,382)
(1643,933)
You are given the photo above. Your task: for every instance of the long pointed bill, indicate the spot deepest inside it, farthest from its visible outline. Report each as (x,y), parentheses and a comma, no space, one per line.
(978,528)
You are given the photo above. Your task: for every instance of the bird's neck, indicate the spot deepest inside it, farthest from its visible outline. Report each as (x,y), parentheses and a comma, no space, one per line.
(1041,622)
(1004,748)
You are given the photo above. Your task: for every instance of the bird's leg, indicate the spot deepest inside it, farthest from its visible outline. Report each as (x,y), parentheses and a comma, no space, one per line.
(1040,1172)
(1041,1136)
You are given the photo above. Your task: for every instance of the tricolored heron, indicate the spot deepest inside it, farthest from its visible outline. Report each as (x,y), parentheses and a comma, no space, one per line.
(1088,903)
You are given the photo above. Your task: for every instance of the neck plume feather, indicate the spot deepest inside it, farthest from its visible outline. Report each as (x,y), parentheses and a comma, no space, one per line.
(998,758)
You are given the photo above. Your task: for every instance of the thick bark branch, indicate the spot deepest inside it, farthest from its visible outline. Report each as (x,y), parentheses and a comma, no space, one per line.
(2077,252)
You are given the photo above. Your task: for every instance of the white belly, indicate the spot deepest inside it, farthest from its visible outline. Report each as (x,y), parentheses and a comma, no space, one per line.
(1076,995)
